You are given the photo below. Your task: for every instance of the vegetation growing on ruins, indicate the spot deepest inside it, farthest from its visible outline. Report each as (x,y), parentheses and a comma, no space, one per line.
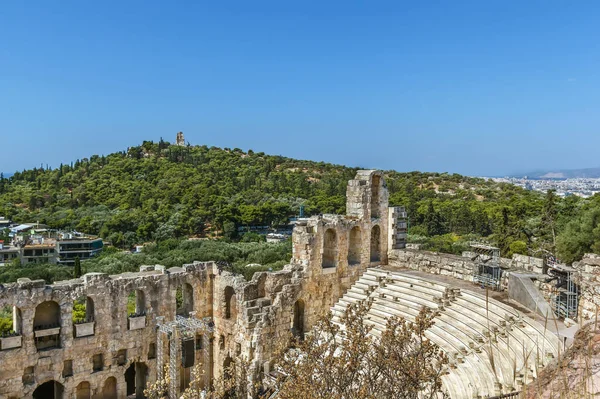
(78,311)
(6,321)
(158,191)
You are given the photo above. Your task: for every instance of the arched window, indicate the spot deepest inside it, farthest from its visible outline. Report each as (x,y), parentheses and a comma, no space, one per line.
(230,303)
(184,299)
(354,246)
(109,390)
(49,390)
(329,249)
(298,320)
(46,325)
(83,390)
(375,244)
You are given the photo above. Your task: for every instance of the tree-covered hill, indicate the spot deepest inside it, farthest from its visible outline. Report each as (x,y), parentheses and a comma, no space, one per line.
(157,191)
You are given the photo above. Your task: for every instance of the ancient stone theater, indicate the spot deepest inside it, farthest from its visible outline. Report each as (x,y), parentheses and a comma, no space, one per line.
(501,321)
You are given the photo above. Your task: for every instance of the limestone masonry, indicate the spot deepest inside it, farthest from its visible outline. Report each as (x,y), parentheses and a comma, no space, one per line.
(198,313)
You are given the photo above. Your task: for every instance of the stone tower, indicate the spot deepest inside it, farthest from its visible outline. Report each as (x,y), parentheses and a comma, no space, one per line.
(180,140)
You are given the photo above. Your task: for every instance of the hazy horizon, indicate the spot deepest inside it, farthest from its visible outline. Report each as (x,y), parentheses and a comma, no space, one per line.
(480,89)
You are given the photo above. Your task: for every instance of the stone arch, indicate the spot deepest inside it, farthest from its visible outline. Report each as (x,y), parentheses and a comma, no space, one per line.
(47,315)
(49,390)
(184,300)
(46,325)
(355,246)
(330,249)
(230,303)
(109,390)
(375,244)
(375,191)
(298,319)
(83,390)
(136,303)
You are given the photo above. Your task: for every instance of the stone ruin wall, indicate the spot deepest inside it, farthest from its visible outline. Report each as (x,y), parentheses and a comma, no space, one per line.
(461,267)
(588,279)
(72,364)
(249,317)
(240,325)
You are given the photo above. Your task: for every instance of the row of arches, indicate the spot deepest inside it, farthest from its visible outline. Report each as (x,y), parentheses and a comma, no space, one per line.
(331,253)
(47,314)
(55,390)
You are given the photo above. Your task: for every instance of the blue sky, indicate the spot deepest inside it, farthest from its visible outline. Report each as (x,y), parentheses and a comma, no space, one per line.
(479,88)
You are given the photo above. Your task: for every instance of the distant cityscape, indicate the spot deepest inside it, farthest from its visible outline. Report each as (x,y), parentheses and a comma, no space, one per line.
(581,187)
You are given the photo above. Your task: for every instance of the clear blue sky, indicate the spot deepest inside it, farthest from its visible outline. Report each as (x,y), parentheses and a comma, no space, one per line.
(479,88)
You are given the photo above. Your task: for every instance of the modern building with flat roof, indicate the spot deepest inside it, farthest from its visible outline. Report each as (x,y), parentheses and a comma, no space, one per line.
(7,253)
(39,252)
(82,248)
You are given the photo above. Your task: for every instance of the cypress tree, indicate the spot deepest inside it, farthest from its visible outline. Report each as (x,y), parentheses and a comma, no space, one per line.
(77,271)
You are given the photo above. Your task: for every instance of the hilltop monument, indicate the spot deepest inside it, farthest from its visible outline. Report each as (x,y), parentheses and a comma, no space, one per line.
(180,140)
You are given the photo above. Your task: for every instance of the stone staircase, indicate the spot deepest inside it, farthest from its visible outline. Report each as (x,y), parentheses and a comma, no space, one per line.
(493,348)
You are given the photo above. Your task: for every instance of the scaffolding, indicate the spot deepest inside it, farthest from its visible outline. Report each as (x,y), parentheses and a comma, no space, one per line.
(399,228)
(487,271)
(176,332)
(565,296)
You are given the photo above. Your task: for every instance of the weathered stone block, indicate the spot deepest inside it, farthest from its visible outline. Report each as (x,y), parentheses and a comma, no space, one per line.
(47,332)
(136,323)
(11,342)
(84,329)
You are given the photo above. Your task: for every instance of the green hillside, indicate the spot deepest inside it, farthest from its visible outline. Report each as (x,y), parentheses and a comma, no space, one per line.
(157,191)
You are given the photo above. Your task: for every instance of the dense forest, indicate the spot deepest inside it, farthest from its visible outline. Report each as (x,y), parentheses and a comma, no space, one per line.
(157,191)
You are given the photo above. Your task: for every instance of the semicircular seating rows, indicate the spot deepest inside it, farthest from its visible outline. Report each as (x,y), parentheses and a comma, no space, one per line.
(493,348)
